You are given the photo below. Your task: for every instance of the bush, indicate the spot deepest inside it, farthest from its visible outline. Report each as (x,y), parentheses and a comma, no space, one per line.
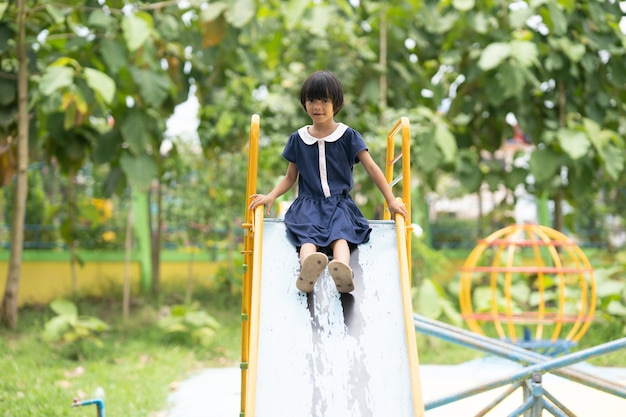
(72,331)
(187,325)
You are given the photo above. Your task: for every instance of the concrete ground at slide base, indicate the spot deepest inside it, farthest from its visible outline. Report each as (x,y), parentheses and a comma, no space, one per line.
(216,392)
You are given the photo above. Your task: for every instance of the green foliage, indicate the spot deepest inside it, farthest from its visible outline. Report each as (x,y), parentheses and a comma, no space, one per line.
(69,329)
(431,300)
(428,295)
(453,233)
(188,325)
(611,292)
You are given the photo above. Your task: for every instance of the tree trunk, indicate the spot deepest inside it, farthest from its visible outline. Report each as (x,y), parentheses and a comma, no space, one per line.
(558,210)
(73,272)
(156,243)
(9,307)
(189,290)
(71,245)
(128,248)
(382,61)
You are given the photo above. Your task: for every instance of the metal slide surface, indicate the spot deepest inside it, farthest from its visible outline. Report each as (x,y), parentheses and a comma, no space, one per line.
(328,355)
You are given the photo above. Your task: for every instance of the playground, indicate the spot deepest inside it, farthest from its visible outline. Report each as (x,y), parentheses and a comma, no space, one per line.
(355,354)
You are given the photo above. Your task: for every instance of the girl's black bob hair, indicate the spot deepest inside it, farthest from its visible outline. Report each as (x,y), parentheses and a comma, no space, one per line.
(322,85)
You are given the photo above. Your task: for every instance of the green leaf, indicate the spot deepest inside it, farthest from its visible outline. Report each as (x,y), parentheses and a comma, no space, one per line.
(594,132)
(92,323)
(55,328)
(616,308)
(609,288)
(543,165)
(178,310)
(154,86)
(428,300)
(493,55)
(240,13)
(176,328)
(574,51)
(140,171)
(8,92)
(518,17)
(203,336)
(493,180)
(446,142)
(294,10)
(568,5)
(321,18)
(451,312)
(102,83)
(481,22)
(613,161)
(557,21)
(574,142)
(512,80)
(55,14)
(64,307)
(98,18)
(7,115)
(525,53)
(3,8)
(463,5)
(212,11)
(429,157)
(135,131)
(515,177)
(113,54)
(56,78)
(467,171)
(196,318)
(6,35)
(136,30)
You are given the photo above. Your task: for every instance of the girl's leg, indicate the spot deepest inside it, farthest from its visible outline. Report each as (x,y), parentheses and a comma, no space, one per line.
(306,250)
(341,250)
(312,264)
(339,267)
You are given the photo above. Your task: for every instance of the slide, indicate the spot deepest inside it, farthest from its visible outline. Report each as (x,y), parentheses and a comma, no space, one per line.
(330,354)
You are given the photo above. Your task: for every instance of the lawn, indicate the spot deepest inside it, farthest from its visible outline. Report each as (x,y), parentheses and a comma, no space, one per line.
(136,368)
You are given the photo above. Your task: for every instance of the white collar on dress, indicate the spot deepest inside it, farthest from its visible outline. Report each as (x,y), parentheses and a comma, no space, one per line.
(310,140)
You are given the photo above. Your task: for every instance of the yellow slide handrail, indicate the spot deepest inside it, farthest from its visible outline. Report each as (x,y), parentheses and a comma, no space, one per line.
(403,126)
(250,226)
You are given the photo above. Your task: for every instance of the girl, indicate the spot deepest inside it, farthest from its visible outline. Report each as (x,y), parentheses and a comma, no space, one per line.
(324,220)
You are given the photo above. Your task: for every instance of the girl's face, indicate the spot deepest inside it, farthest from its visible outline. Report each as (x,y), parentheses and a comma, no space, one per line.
(320,110)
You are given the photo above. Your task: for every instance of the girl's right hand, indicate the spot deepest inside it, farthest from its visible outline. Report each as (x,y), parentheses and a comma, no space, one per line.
(261,199)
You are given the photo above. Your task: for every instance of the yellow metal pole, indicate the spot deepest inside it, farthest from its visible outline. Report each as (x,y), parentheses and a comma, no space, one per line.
(253,157)
(406,185)
(405,284)
(255,307)
(403,237)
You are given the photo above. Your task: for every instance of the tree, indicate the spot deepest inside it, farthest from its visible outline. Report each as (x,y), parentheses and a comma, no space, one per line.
(9,307)
(557,66)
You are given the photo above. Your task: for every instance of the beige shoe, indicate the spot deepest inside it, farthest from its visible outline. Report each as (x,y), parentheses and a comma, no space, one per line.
(342,275)
(312,267)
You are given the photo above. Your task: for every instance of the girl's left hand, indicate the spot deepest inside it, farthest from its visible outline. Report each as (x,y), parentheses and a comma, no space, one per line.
(398,207)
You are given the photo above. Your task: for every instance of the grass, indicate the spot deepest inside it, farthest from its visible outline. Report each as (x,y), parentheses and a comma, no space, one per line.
(137,367)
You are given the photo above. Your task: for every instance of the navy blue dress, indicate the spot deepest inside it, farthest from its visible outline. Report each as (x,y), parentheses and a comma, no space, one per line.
(324,210)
